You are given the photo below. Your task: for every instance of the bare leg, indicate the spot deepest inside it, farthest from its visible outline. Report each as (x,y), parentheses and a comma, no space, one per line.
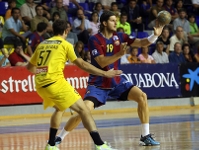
(54,125)
(140,97)
(56,118)
(74,121)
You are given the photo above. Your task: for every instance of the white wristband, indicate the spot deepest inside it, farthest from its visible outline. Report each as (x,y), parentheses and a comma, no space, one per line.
(152,38)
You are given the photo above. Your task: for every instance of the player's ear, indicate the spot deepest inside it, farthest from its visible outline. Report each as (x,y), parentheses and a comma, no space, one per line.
(104,23)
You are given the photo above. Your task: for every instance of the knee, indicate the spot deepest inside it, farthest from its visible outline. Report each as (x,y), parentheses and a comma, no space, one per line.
(143,98)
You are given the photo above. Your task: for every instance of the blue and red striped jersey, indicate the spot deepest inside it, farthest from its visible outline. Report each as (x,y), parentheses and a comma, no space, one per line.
(99,45)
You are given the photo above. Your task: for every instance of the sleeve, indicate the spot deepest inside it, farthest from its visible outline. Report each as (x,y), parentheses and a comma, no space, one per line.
(9,24)
(129,29)
(24,10)
(127,38)
(31,41)
(76,23)
(71,53)
(88,24)
(94,47)
(171,44)
(167,60)
(8,14)
(150,57)
(33,25)
(155,58)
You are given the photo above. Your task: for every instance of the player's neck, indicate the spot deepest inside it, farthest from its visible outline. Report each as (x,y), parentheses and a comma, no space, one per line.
(107,34)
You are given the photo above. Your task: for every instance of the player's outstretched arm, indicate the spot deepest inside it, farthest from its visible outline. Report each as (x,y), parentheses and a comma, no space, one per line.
(31,67)
(149,40)
(95,71)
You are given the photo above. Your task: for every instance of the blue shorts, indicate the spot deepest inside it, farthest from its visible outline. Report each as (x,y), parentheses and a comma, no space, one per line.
(99,96)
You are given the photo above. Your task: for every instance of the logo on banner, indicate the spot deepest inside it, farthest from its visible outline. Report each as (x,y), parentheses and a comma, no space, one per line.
(156,80)
(191,78)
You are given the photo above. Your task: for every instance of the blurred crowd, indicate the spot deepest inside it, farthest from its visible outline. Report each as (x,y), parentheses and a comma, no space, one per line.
(26,23)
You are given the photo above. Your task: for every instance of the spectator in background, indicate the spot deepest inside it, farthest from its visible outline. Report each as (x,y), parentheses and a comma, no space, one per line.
(124,24)
(94,23)
(71,37)
(18,57)
(82,27)
(28,11)
(171,9)
(39,18)
(79,49)
(120,29)
(12,27)
(164,38)
(159,55)
(36,37)
(195,4)
(106,4)
(196,56)
(182,21)
(132,58)
(179,5)
(193,26)
(179,36)
(187,53)
(69,10)
(176,56)
(98,8)
(55,17)
(60,9)
(4,56)
(154,12)
(134,17)
(87,56)
(115,10)
(145,57)
(11,5)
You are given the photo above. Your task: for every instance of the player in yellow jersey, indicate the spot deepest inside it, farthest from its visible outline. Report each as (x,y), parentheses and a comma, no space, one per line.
(47,63)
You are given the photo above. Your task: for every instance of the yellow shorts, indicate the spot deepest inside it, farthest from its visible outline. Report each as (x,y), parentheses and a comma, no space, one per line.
(60,94)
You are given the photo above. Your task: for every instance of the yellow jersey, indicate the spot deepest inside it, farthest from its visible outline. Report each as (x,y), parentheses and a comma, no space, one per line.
(50,57)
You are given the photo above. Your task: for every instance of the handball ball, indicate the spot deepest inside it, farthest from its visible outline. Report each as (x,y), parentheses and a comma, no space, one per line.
(164,17)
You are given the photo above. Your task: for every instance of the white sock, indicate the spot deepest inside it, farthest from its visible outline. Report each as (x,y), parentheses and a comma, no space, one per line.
(145,129)
(63,133)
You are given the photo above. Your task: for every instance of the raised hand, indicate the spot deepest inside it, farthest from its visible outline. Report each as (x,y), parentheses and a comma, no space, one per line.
(123,48)
(158,28)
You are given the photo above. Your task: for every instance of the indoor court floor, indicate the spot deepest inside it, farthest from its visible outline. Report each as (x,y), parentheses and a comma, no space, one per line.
(174,129)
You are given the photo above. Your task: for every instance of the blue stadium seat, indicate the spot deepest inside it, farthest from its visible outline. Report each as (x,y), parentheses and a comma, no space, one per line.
(71,5)
(91,6)
(84,5)
(197,20)
(133,34)
(3,8)
(142,34)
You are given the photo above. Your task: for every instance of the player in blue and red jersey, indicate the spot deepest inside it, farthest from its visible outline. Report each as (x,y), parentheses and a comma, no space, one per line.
(106,49)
